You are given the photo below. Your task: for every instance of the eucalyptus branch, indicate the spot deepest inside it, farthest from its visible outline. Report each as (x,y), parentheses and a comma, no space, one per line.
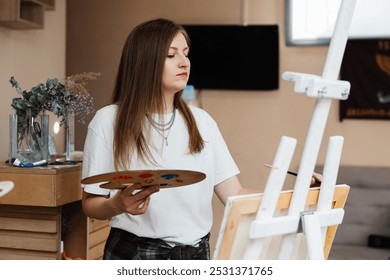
(63,99)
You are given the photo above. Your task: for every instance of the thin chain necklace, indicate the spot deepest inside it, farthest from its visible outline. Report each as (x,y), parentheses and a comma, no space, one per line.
(162,128)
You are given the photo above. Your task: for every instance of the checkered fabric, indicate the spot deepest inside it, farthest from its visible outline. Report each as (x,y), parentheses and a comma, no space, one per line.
(123,245)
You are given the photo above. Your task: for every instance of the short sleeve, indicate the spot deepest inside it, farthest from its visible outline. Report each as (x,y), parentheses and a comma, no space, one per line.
(224,164)
(98,151)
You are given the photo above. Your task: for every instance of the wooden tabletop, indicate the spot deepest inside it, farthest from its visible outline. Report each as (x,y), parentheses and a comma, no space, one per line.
(52,185)
(46,169)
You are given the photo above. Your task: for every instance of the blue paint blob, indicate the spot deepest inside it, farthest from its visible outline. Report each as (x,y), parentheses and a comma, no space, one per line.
(169,176)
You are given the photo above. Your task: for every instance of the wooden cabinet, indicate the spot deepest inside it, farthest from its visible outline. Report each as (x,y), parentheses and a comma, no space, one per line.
(42,216)
(30,232)
(42,186)
(24,14)
(97,232)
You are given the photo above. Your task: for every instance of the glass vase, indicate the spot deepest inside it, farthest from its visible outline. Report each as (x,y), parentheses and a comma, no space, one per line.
(69,140)
(29,137)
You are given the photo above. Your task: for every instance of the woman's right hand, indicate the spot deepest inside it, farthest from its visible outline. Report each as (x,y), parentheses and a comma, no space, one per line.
(135,203)
(125,200)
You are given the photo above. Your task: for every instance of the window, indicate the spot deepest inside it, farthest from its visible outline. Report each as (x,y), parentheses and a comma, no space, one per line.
(311,22)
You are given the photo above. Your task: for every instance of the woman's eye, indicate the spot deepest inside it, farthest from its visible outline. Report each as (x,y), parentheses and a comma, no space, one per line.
(171,55)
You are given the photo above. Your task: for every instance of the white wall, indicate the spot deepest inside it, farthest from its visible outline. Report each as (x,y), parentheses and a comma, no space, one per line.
(31,56)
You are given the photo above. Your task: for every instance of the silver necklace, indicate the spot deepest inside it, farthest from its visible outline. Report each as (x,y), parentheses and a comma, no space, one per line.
(162,128)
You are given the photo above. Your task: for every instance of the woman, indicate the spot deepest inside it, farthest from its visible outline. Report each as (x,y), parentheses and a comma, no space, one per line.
(149,126)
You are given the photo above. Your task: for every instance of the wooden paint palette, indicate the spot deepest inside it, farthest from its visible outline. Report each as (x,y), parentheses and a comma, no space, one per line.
(167,178)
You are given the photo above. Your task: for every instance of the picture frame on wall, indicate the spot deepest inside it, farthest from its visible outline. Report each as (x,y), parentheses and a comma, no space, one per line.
(366,65)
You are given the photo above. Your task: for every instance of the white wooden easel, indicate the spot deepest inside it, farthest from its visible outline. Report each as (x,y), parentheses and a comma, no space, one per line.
(312,223)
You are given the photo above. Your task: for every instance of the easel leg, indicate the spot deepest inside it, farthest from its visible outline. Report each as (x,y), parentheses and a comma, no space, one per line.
(312,229)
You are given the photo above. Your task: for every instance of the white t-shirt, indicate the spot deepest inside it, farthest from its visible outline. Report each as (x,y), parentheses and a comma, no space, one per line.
(180,215)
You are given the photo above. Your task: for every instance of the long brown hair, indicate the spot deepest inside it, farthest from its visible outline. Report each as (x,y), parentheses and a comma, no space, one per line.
(138,90)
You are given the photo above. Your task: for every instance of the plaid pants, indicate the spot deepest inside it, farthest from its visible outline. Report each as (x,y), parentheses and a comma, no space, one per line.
(123,245)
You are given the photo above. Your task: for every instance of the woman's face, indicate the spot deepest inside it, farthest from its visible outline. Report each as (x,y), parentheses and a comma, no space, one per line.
(177,66)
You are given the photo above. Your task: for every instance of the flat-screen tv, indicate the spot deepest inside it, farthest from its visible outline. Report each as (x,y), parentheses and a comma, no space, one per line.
(237,57)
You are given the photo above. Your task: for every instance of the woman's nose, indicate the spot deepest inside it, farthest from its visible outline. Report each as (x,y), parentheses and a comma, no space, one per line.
(184,62)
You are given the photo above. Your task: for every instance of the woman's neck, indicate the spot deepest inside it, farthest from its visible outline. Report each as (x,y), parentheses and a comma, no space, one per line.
(169,104)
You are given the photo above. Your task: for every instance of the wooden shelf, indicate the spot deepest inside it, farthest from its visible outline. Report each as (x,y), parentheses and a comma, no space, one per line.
(33,215)
(32,233)
(24,14)
(47,4)
(86,237)
(53,186)
(98,231)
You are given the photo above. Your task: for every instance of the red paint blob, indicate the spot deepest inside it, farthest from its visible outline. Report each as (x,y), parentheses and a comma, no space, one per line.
(145,175)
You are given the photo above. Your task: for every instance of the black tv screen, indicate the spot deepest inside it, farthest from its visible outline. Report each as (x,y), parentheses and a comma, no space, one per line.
(234,57)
